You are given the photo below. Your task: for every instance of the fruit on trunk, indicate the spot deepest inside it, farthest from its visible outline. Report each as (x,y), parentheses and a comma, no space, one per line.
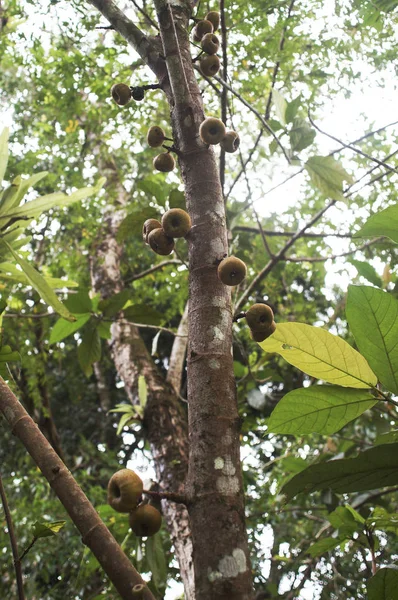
(176,223)
(145,520)
(259,317)
(160,242)
(121,93)
(230,143)
(210,43)
(164,162)
(148,226)
(155,136)
(214,17)
(212,130)
(232,271)
(210,65)
(202,28)
(124,490)
(260,336)
(138,93)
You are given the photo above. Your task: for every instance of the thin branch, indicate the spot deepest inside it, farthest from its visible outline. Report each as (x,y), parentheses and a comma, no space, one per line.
(13,541)
(272,233)
(312,259)
(30,316)
(145,15)
(146,326)
(164,263)
(224,92)
(172,496)
(252,151)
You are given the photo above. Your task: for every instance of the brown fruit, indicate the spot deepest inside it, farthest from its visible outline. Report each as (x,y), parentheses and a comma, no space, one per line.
(214,17)
(259,317)
(230,143)
(148,226)
(260,336)
(145,520)
(210,65)
(176,223)
(155,136)
(124,490)
(202,28)
(121,93)
(164,162)
(210,43)
(232,271)
(138,93)
(160,242)
(212,130)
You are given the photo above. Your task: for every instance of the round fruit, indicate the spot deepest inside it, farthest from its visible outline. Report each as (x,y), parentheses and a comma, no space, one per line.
(260,336)
(124,490)
(121,93)
(145,520)
(176,223)
(210,65)
(259,317)
(148,226)
(230,143)
(160,242)
(212,130)
(232,271)
(210,43)
(138,93)
(214,17)
(164,162)
(202,28)
(155,136)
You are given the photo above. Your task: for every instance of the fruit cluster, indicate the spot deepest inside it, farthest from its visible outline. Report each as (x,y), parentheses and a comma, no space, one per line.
(203,32)
(260,319)
(125,490)
(212,131)
(160,235)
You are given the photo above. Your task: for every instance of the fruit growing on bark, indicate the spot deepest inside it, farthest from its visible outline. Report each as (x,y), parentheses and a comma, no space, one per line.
(230,143)
(121,93)
(160,242)
(259,317)
(231,271)
(164,162)
(210,65)
(176,223)
(260,336)
(138,93)
(210,43)
(214,17)
(155,136)
(148,226)
(124,490)
(145,520)
(212,130)
(202,28)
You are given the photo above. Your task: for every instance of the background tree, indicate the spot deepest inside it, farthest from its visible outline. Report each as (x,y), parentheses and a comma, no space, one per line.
(275,65)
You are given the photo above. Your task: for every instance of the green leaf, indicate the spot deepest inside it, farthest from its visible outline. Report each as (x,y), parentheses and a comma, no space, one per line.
(156,560)
(131,226)
(177,199)
(111,306)
(367,271)
(385,5)
(8,355)
(125,419)
(319,408)
(3,152)
(373,319)
(142,313)
(40,285)
(45,529)
(142,391)
(63,328)
(154,185)
(328,175)
(320,354)
(383,585)
(301,135)
(376,467)
(14,194)
(384,222)
(292,108)
(79,303)
(280,105)
(104,330)
(89,351)
(325,545)
(383,520)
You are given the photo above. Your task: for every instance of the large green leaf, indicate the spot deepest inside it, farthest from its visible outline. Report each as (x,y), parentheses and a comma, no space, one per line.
(384,222)
(89,351)
(328,175)
(385,5)
(319,408)
(320,354)
(64,328)
(367,271)
(112,305)
(38,282)
(131,226)
(17,190)
(325,545)
(142,313)
(156,560)
(301,135)
(383,585)
(373,319)
(280,105)
(3,152)
(374,468)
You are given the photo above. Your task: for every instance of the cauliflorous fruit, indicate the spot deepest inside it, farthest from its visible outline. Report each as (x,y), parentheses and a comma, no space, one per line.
(231,271)
(145,520)
(160,242)
(124,490)
(259,317)
(164,162)
(176,223)
(212,130)
(148,226)
(121,93)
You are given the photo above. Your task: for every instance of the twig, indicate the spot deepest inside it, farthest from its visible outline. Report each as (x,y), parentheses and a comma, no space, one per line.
(272,233)
(146,326)
(312,259)
(145,15)
(172,496)
(30,316)
(160,265)
(13,541)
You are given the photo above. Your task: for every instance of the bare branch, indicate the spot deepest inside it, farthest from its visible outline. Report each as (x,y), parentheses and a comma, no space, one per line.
(272,233)
(312,259)
(13,541)
(164,263)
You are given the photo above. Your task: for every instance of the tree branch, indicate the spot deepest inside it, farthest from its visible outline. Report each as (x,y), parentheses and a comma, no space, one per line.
(13,541)
(178,351)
